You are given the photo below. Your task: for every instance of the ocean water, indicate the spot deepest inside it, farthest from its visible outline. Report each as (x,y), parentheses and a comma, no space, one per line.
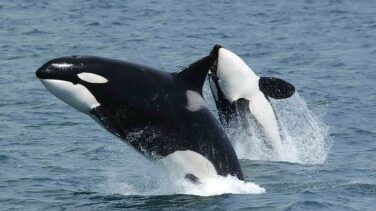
(55,158)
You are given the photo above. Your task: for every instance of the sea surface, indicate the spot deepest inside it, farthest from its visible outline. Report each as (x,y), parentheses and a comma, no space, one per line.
(55,158)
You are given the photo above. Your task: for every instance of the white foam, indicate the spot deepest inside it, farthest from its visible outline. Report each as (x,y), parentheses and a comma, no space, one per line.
(304,135)
(154,179)
(219,185)
(168,186)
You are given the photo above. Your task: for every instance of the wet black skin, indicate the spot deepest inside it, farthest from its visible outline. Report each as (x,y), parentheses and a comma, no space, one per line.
(146,108)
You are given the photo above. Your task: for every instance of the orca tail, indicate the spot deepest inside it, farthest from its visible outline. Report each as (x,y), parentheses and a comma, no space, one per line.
(276,88)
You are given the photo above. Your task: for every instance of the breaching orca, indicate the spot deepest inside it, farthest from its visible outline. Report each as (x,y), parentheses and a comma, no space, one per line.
(240,94)
(162,115)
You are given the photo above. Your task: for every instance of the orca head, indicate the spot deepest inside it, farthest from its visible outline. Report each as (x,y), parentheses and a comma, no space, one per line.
(230,77)
(235,79)
(229,64)
(79,81)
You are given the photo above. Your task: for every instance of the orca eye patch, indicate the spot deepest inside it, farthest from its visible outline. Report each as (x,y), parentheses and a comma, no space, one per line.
(92,78)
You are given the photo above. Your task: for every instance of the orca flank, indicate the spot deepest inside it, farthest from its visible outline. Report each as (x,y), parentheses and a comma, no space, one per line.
(162,115)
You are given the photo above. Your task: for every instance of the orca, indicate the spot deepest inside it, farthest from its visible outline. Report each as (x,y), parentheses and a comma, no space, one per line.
(162,115)
(240,94)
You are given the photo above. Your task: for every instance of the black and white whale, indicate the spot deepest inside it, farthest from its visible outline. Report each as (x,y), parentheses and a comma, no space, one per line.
(162,115)
(240,94)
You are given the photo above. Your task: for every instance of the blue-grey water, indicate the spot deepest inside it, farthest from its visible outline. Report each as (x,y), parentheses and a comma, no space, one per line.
(55,158)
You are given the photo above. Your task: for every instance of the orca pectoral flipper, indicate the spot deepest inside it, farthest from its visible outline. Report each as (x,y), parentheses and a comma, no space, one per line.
(276,88)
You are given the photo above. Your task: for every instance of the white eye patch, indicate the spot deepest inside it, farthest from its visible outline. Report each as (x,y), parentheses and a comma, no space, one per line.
(92,78)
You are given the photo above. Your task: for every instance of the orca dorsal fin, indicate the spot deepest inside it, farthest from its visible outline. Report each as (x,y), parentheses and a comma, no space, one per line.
(194,75)
(276,88)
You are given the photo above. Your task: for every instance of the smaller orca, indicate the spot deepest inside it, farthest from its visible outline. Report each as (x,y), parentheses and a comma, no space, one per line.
(162,115)
(240,94)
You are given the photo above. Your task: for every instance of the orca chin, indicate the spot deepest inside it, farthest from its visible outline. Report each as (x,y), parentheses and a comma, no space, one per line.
(75,95)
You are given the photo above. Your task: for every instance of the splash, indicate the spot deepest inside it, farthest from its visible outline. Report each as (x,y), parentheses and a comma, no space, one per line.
(160,182)
(218,185)
(208,187)
(304,135)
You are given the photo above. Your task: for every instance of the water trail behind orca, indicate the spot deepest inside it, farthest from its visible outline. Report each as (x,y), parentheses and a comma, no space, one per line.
(304,135)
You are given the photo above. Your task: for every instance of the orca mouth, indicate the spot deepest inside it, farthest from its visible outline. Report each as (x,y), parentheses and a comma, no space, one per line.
(75,95)
(96,111)
(214,84)
(213,70)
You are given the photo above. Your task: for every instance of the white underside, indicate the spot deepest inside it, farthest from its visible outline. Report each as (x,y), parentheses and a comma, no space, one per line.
(237,80)
(185,162)
(75,95)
